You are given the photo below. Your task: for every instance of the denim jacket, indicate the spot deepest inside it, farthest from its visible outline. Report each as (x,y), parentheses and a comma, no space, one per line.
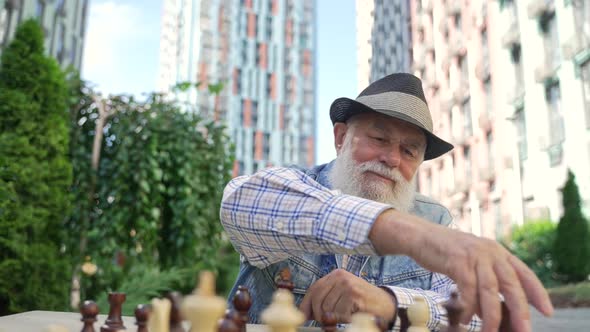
(401,271)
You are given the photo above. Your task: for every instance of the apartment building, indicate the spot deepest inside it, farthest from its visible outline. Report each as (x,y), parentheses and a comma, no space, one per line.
(508,83)
(263,52)
(383,39)
(63,21)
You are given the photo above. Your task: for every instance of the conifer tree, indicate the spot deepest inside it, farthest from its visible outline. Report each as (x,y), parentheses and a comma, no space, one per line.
(35,175)
(572,242)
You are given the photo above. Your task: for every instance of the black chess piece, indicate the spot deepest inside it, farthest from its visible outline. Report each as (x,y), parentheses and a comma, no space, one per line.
(242,302)
(227,325)
(284,280)
(175,314)
(454,309)
(114,321)
(142,313)
(329,322)
(89,311)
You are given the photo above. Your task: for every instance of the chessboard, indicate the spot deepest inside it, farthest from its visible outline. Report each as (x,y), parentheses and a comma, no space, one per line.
(204,311)
(38,321)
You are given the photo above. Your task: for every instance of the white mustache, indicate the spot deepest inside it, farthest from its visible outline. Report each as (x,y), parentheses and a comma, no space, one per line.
(382,170)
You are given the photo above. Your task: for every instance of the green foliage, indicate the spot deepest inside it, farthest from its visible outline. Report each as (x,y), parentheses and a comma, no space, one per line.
(35,175)
(532,243)
(572,243)
(153,202)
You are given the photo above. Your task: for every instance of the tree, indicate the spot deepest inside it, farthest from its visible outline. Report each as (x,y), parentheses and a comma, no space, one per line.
(148,180)
(572,243)
(35,175)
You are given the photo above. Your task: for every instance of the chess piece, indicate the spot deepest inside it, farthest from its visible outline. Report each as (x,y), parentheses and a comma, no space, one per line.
(114,322)
(404,323)
(142,313)
(381,323)
(175,316)
(230,322)
(454,309)
(284,280)
(329,322)
(89,311)
(361,322)
(505,321)
(282,315)
(234,315)
(418,315)
(159,318)
(242,302)
(203,308)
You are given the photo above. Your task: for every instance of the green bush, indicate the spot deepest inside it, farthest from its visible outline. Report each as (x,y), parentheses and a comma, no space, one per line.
(572,243)
(533,243)
(152,202)
(35,175)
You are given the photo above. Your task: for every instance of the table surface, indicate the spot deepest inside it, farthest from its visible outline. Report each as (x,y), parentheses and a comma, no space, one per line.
(38,321)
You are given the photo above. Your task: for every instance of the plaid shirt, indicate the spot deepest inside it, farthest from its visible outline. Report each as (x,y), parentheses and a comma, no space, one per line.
(281,212)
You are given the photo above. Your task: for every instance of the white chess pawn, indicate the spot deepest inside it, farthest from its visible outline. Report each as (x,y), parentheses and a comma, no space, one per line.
(55,328)
(159,318)
(418,315)
(203,308)
(362,322)
(282,315)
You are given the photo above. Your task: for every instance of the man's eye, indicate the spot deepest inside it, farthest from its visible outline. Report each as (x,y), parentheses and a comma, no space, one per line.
(378,139)
(409,152)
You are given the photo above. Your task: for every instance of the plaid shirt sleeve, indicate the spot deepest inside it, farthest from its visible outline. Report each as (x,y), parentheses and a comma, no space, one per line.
(280,212)
(440,292)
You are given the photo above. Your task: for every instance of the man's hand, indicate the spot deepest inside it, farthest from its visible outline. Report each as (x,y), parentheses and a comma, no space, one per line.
(343,293)
(480,267)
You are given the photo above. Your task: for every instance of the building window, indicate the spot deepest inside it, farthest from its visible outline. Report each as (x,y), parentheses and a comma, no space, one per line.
(520,122)
(548,24)
(467,157)
(556,126)
(487,87)
(490,147)
(40,12)
(498,219)
(4,21)
(61,43)
(467,120)
(254,114)
(585,73)
(73,49)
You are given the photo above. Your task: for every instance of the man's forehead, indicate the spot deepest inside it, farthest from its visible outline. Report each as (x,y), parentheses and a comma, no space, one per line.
(389,125)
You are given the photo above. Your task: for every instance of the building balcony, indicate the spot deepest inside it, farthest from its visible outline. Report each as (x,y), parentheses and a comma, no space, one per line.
(538,7)
(461,93)
(485,121)
(419,64)
(511,37)
(453,7)
(515,96)
(481,14)
(486,172)
(482,69)
(447,102)
(459,138)
(427,5)
(458,45)
(577,43)
(544,71)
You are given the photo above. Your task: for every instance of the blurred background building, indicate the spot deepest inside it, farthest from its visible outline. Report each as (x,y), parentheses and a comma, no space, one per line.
(264,54)
(384,43)
(508,83)
(64,23)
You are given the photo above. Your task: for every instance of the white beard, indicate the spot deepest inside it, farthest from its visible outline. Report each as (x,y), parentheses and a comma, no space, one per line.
(350,178)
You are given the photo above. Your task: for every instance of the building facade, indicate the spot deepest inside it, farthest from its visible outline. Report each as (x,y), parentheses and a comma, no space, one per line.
(263,52)
(63,21)
(508,84)
(383,39)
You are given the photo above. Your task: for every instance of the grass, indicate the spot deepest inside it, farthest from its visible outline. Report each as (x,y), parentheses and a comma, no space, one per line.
(574,295)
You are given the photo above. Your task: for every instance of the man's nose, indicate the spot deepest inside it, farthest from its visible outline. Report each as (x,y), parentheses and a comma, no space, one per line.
(391,157)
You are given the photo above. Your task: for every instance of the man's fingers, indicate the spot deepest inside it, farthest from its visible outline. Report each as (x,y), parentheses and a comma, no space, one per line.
(467,284)
(535,292)
(514,296)
(305,305)
(489,300)
(343,310)
(318,298)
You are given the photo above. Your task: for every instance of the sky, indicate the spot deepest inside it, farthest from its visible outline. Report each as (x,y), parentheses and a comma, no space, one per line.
(122,48)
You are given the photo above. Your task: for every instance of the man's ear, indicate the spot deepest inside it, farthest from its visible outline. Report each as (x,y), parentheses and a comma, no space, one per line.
(340,129)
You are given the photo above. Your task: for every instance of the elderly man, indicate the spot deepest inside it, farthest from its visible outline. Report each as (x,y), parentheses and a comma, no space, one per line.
(355,234)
